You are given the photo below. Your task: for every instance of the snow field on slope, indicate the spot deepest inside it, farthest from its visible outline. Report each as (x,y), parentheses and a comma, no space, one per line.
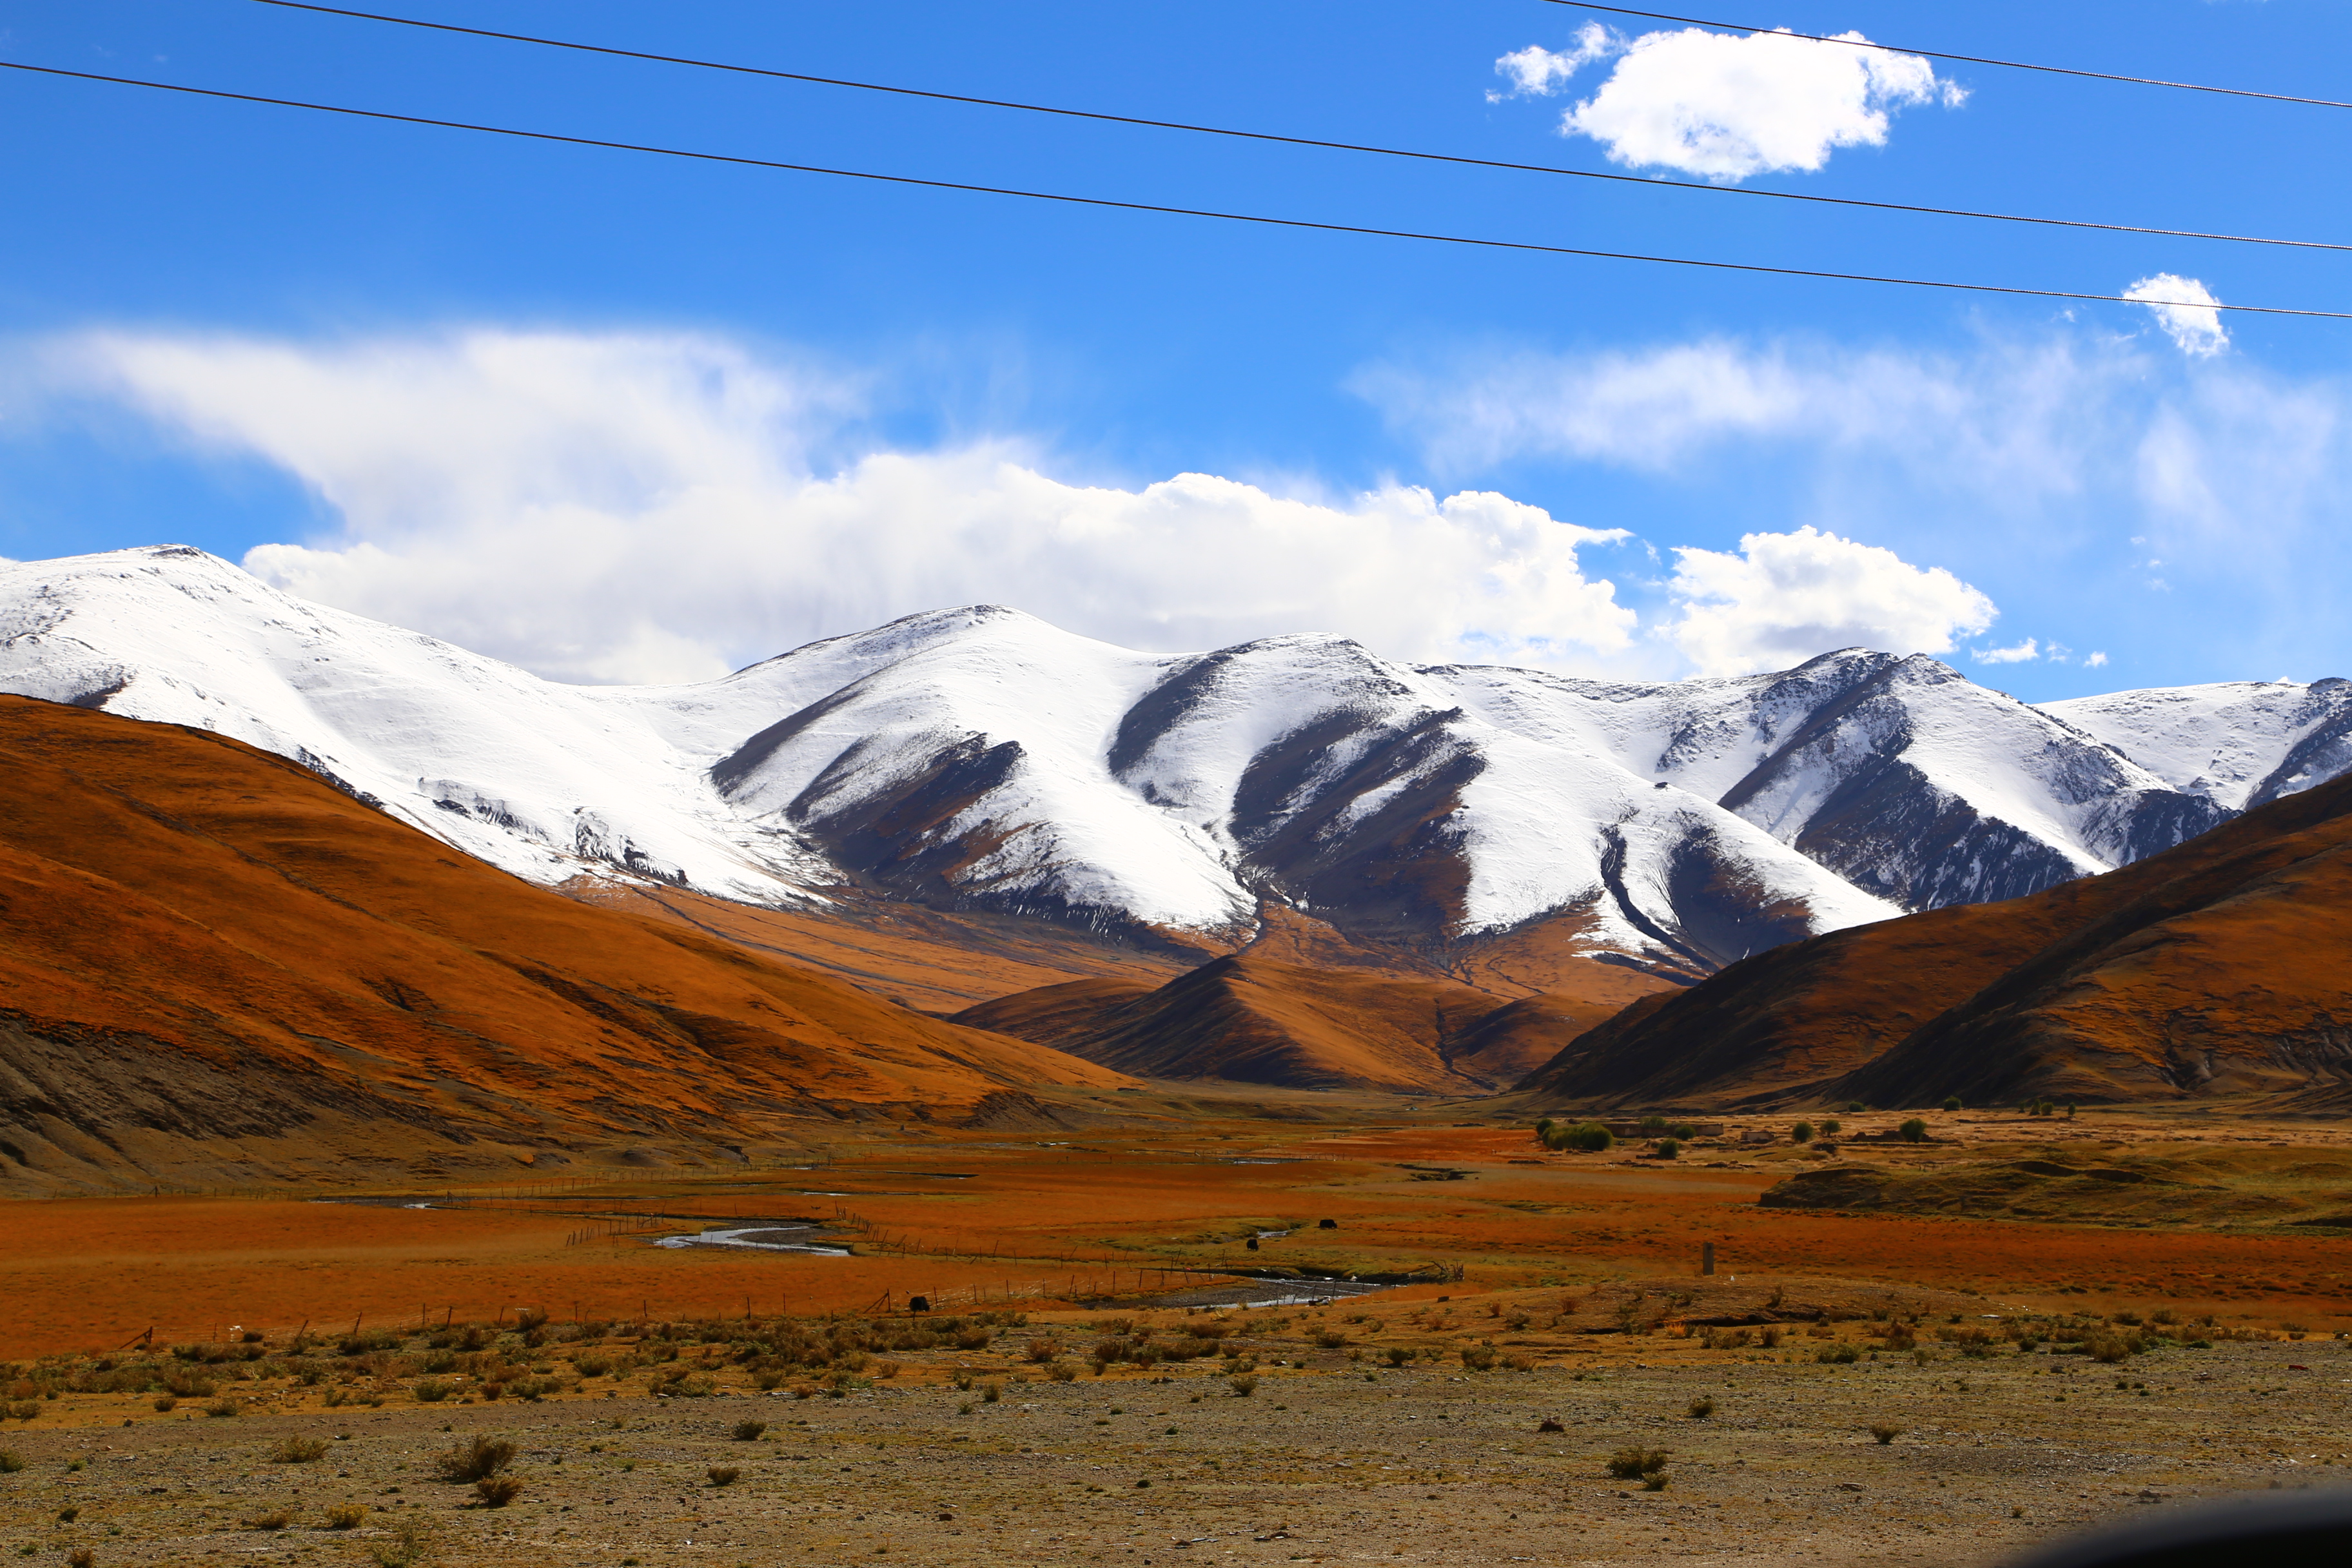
(401,716)
(2220,741)
(1070,830)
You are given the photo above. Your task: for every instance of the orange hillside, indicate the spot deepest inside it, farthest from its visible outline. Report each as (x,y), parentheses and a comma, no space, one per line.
(215,966)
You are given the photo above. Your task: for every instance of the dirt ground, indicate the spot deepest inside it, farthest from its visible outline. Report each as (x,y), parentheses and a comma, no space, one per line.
(1332,1455)
(1400,1425)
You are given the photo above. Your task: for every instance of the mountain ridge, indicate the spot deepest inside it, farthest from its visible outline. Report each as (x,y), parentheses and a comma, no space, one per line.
(977,760)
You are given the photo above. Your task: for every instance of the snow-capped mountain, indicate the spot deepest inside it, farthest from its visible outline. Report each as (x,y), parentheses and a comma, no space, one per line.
(981,758)
(2238,744)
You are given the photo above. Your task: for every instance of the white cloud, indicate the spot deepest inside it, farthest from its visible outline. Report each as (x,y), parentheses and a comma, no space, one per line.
(2018,417)
(1728,105)
(646,508)
(2184,309)
(1536,70)
(2096,661)
(1787,596)
(2025,652)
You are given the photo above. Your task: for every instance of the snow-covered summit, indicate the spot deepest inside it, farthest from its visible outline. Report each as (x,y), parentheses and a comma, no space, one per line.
(979,757)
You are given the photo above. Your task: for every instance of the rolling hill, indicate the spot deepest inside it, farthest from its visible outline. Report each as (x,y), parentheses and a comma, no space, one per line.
(2222,966)
(1253,1019)
(215,966)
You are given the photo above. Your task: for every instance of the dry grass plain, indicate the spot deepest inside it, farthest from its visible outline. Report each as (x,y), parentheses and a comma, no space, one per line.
(1574,1277)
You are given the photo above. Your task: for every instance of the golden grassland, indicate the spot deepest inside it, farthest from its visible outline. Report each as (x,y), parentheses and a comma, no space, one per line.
(980,1219)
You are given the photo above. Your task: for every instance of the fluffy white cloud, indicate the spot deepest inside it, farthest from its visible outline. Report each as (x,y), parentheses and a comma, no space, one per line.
(2184,309)
(1787,596)
(2096,661)
(641,508)
(1728,105)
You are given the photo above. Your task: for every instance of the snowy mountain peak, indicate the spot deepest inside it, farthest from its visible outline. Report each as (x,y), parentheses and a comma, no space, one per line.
(979,757)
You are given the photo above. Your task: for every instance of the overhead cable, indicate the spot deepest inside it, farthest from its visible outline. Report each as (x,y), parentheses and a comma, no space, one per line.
(1294,140)
(1966,59)
(1107,202)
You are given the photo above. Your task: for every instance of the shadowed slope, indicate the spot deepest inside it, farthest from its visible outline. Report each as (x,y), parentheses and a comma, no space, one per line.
(213,963)
(2224,964)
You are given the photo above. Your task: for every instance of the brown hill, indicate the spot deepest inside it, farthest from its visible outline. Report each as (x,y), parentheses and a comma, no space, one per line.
(2223,964)
(215,966)
(1252,1019)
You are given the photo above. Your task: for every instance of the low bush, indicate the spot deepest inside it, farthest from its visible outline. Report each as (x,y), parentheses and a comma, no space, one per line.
(477,1460)
(297,1451)
(345,1517)
(1913,1131)
(723,1475)
(431,1390)
(223,1409)
(1802,1132)
(1883,1433)
(1701,1408)
(1839,1354)
(11,1461)
(748,1431)
(1632,1464)
(497,1491)
(1244,1384)
(276,1519)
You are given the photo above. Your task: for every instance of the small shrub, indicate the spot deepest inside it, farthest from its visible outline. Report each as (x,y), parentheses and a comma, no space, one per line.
(1632,1464)
(1802,1132)
(431,1390)
(1839,1354)
(749,1431)
(297,1451)
(497,1491)
(345,1517)
(1884,1434)
(723,1475)
(1478,1358)
(1590,1137)
(1548,1424)
(591,1365)
(11,1461)
(407,1547)
(1656,1482)
(1331,1339)
(1913,1131)
(1244,1384)
(1951,1102)
(477,1460)
(1043,1350)
(1669,1148)
(67,1515)
(1855,1105)
(1831,1127)
(81,1557)
(223,1409)
(164,1402)
(990,1392)
(1400,1354)
(276,1519)
(1701,1408)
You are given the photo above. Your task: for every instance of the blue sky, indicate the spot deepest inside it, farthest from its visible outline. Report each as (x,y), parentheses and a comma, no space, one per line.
(620,417)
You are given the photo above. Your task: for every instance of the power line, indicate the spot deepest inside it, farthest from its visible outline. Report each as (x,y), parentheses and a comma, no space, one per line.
(1968,60)
(1260,218)
(1294,140)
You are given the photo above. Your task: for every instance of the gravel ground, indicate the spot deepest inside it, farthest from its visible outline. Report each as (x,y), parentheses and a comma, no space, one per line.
(1323,1462)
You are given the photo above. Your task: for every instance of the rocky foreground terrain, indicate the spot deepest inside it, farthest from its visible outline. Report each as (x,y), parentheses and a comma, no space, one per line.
(1866,1426)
